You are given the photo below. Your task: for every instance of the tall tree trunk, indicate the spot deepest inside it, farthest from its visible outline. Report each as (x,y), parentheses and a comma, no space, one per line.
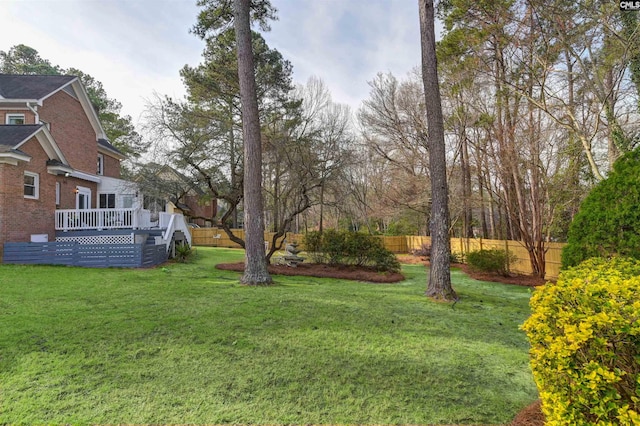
(276,197)
(232,160)
(439,286)
(466,189)
(255,269)
(321,225)
(483,215)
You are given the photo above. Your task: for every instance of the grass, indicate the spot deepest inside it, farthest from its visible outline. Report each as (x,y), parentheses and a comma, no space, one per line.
(185,343)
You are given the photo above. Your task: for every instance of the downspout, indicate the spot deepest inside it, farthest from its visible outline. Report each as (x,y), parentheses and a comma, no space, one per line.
(35,112)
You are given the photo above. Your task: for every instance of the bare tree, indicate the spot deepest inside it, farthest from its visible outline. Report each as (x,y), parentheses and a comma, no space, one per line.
(394,130)
(255,272)
(439,286)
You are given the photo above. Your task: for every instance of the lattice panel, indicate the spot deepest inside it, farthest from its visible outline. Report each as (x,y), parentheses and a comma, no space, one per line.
(99,239)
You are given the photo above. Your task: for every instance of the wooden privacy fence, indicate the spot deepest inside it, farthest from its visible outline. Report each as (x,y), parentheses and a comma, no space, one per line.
(406,244)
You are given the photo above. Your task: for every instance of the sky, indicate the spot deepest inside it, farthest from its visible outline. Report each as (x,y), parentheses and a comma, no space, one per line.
(137,47)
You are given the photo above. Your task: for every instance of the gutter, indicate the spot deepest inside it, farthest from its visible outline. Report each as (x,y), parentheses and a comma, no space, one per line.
(35,112)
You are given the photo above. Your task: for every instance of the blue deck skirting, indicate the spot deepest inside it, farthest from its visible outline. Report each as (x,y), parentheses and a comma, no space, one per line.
(87,255)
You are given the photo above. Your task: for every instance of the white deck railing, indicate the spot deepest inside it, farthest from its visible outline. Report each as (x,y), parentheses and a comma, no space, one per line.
(172,223)
(103,219)
(76,220)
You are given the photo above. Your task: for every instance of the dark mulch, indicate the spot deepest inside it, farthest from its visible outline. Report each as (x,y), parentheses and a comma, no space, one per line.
(325,271)
(530,416)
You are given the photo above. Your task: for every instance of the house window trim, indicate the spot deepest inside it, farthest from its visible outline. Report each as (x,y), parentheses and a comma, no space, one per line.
(36,186)
(8,117)
(58,193)
(106,194)
(100,171)
(86,192)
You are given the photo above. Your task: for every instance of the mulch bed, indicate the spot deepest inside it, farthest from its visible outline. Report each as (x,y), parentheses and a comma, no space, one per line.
(530,416)
(324,271)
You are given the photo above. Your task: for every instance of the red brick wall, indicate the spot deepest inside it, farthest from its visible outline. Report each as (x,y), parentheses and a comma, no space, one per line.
(111,167)
(29,117)
(20,217)
(198,208)
(71,130)
(68,192)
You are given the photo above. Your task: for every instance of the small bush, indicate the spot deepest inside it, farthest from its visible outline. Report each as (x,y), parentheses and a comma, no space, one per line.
(423,251)
(349,248)
(457,257)
(494,260)
(383,259)
(313,241)
(313,246)
(183,253)
(334,246)
(585,344)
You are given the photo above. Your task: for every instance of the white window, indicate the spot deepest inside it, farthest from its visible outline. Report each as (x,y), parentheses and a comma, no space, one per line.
(14,119)
(127,201)
(31,185)
(100,164)
(107,201)
(57,193)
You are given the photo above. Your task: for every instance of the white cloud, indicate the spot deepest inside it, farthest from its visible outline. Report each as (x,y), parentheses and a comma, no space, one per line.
(133,47)
(346,43)
(137,47)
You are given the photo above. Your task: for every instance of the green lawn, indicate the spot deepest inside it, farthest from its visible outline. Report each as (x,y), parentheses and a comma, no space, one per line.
(186,343)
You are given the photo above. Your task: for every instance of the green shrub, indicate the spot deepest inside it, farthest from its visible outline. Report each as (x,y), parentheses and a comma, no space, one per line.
(183,253)
(585,344)
(313,246)
(313,241)
(608,222)
(494,260)
(383,259)
(457,257)
(349,248)
(334,246)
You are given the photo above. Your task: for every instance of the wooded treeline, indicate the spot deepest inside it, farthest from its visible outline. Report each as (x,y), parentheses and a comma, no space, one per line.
(539,99)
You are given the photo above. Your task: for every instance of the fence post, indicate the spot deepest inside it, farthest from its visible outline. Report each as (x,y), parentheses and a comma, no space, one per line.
(506,252)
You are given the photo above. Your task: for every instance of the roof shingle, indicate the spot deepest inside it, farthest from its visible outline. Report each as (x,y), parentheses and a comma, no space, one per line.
(11,135)
(14,86)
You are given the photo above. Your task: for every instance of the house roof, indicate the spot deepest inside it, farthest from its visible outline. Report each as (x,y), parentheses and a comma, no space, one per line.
(34,87)
(19,88)
(106,145)
(11,135)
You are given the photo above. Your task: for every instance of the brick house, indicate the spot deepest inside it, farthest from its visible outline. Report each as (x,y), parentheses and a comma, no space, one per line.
(56,162)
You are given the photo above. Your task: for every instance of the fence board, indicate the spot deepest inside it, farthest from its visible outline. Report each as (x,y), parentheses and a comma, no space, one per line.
(87,255)
(214,237)
(34,253)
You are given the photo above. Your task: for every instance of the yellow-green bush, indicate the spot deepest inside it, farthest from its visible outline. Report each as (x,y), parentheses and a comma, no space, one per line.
(585,344)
